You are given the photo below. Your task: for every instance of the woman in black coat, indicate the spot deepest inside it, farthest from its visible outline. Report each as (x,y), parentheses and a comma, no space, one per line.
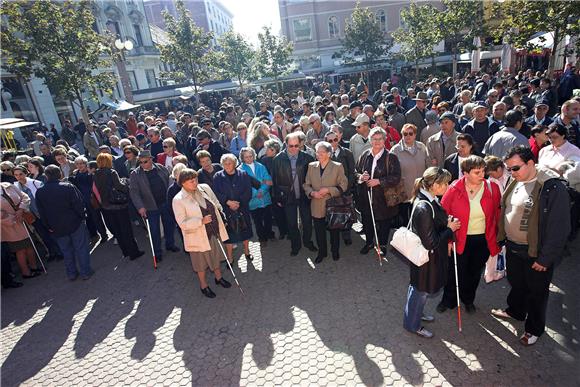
(430,222)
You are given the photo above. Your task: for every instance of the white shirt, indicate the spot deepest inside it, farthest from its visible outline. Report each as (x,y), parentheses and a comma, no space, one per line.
(252,167)
(169,162)
(375,159)
(553,157)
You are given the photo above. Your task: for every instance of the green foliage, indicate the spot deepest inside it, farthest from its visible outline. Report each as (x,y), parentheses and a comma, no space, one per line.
(55,41)
(273,56)
(363,36)
(521,19)
(419,34)
(188,52)
(460,22)
(236,58)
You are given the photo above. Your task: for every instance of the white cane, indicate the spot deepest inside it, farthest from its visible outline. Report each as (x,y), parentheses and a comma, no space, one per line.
(34,246)
(457,287)
(230,266)
(377,245)
(151,242)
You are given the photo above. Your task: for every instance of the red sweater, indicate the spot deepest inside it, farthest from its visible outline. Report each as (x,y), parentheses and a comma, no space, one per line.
(456,203)
(162,156)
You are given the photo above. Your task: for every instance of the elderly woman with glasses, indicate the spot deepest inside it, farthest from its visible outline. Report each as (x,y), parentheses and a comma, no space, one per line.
(198,214)
(324,179)
(376,170)
(414,160)
(169,152)
(233,187)
(260,204)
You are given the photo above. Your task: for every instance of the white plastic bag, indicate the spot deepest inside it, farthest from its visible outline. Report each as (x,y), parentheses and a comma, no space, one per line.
(495,267)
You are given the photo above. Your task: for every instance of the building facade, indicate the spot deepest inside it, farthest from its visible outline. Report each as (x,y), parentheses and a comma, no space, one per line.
(33,101)
(211,15)
(316,27)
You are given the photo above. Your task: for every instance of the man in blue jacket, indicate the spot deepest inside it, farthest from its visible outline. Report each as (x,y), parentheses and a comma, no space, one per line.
(62,210)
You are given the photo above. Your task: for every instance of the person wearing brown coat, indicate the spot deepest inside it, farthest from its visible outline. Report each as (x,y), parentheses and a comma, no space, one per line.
(372,175)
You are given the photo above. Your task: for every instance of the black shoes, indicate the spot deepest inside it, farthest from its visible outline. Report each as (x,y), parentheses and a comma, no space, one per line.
(137,255)
(208,292)
(336,256)
(294,253)
(310,246)
(470,308)
(12,285)
(33,273)
(441,308)
(319,259)
(348,242)
(223,283)
(249,257)
(366,248)
(282,237)
(173,249)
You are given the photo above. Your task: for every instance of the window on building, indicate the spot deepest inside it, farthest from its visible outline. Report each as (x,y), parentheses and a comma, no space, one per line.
(151,81)
(138,36)
(114,27)
(302,30)
(382,19)
(333,30)
(133,80)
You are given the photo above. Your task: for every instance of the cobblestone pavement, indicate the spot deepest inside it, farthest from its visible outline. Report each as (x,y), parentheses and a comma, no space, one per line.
(339,323)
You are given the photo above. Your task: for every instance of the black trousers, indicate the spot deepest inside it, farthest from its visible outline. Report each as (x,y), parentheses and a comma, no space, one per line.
(320,232)
(95,222)
(470,266)
(280,219)
(528,297)
(119,223)
(383,227)
(291,211)
(263,220)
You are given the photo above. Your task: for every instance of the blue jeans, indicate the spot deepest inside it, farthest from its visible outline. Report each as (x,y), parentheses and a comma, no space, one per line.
(416,301)
(156,217)
(75,247)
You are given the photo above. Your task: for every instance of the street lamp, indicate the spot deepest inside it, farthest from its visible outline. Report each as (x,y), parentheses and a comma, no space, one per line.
(123,46)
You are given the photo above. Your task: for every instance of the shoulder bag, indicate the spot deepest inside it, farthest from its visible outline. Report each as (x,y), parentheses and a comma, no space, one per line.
(340,212)
(406,242)
(116,196)
(394,195)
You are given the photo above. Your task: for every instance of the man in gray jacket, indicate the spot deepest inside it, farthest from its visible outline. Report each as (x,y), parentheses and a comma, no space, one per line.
(148,192)
(508,137)
(416,116)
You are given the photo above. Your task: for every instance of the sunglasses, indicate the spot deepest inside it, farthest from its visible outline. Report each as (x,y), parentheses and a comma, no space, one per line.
(408,134)
(514,168)
(333,140)
(293,146)
(6,170)
(166,146)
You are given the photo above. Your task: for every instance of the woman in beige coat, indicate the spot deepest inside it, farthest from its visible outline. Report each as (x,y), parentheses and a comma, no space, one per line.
(325,179)
(198,214)
(13,230)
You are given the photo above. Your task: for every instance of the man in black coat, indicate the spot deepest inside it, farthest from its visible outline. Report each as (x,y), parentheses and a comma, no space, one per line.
(62,211)
(205,142)
(288,175)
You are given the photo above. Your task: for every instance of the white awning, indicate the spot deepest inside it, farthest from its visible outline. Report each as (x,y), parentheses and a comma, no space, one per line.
(17,124)
(121,106)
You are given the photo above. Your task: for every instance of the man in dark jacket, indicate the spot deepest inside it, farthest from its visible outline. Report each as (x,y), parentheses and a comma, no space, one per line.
(62,210)
(288,175)
(148,190)
(205,142)
(481,127)
(534,224)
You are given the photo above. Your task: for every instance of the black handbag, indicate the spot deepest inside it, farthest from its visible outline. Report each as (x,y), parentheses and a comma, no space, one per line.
(236,223)
(116,196)
(340,212)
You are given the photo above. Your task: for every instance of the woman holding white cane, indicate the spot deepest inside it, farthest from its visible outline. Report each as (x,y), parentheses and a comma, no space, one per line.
(197,212)
(435,229)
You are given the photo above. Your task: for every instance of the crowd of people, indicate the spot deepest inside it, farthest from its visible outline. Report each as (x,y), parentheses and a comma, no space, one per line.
(485,161)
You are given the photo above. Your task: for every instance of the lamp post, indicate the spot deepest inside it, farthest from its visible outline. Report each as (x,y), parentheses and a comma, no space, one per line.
(123,46)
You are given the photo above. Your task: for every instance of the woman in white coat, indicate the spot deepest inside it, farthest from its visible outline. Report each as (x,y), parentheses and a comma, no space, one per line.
(198,214)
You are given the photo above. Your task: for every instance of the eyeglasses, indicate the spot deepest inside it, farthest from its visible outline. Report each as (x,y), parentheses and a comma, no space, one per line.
(166,146)
(515,168)
(6,170)
(333,140)
(408,134)
(293,146)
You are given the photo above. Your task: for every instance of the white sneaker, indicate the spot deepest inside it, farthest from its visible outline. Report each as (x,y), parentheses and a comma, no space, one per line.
(424,333)
(528,339)
(115,242)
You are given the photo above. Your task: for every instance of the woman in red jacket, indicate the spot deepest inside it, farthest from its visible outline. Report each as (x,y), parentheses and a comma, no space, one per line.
(476,203)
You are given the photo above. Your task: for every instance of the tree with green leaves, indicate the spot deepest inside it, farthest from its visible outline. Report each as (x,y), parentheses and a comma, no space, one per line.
(521,19)
(363,37)
(273,56)
(189,49)
(54,40)
(236,57)
(460,23)
(419,34)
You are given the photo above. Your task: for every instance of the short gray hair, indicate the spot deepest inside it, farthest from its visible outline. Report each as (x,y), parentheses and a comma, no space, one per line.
(81,159)
(177,171)
(272,144)
(377,130)
(314,116)
(228,156)
(431,117)
(323,145)
(248,149)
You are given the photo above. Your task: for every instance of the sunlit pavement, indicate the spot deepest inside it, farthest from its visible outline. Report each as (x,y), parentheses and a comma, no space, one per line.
(336,323)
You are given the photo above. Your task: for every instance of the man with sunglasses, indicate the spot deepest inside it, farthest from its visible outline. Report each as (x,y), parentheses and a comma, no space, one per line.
(289,169)
(155,145)
(534,224)
(148,190)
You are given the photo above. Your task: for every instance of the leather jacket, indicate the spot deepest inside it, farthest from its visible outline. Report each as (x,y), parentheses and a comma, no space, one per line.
(282,181)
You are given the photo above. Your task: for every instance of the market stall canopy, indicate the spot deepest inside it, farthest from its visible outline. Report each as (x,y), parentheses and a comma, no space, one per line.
(121,106)
(13,123)
(285,78)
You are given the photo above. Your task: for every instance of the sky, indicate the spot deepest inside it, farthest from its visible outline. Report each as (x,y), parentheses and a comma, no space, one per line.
(251,15)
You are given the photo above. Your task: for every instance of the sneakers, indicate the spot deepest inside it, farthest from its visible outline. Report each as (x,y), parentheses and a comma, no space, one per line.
(528,339)
(502,313)
(424,333)
(427,318)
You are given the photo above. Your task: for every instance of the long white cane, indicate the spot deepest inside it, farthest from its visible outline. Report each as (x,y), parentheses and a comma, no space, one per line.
(230,266)
(34,246)
(151,242)
(377,245)
(457,286)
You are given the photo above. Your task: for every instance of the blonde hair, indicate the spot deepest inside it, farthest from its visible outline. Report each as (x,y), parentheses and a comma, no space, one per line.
(431,176)
(177,170)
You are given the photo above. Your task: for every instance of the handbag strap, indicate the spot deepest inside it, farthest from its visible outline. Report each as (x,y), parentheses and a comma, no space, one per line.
(413,211)
(9,200)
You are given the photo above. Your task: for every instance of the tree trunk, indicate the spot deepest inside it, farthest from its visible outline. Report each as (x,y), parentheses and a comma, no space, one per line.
(416,69)
(553,54)
(454,63)
(241,85)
